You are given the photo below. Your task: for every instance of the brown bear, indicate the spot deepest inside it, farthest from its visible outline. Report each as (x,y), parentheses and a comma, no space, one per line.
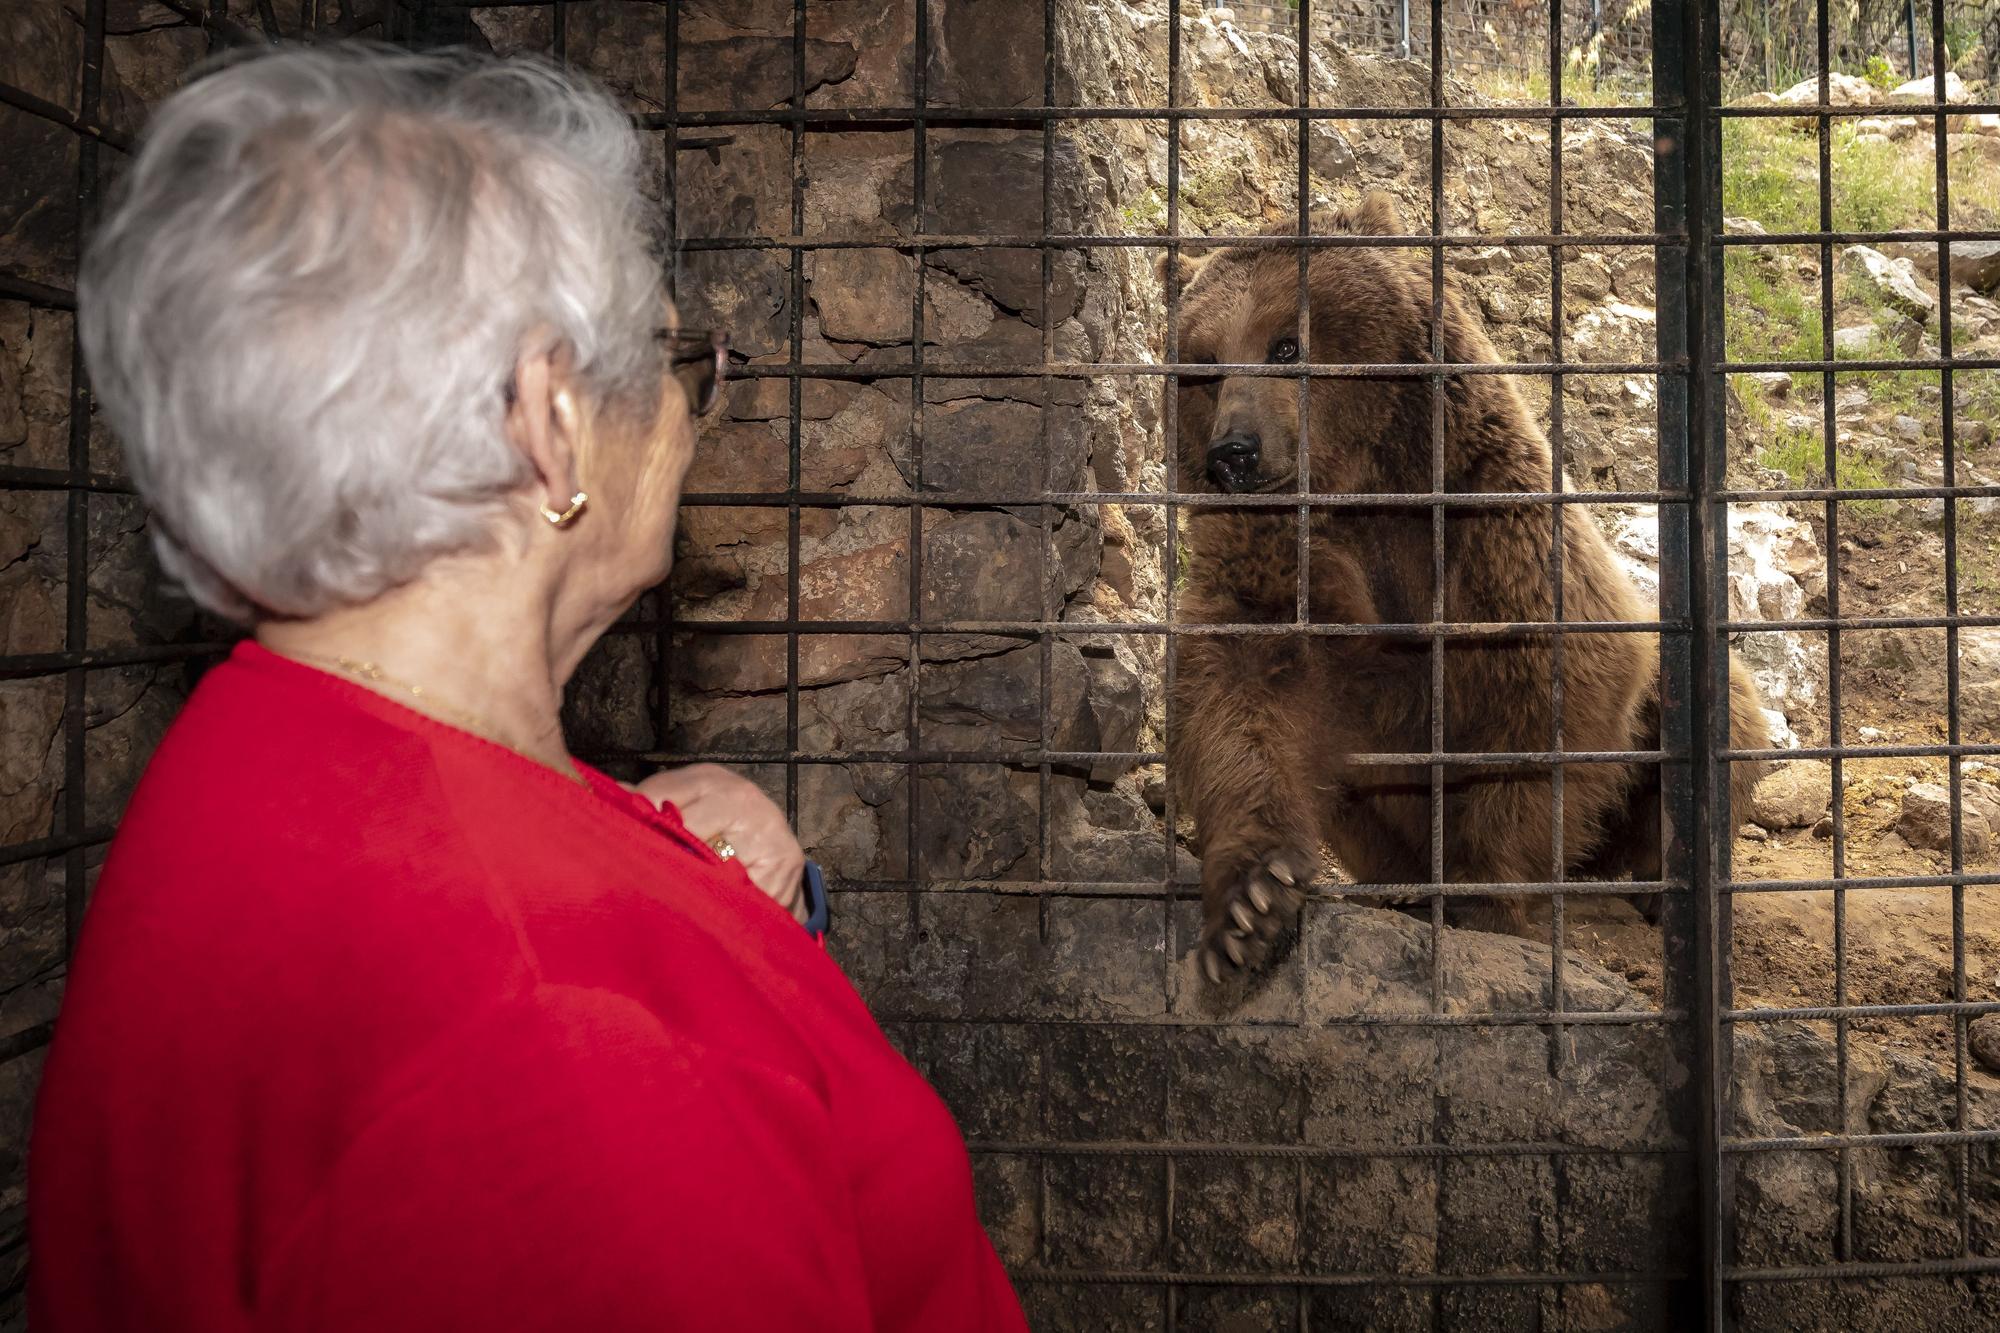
(1269,729)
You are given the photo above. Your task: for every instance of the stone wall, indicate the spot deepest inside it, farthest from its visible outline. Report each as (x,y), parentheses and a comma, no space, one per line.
(1346,1147)
(113,713)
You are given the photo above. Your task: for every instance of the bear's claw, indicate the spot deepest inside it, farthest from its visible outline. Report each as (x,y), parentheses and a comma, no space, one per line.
(1262,904)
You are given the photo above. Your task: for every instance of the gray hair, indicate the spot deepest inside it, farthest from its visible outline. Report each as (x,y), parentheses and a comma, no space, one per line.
(303,310)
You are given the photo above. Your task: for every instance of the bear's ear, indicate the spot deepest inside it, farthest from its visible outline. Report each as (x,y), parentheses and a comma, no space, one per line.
(1376,216)
(1189,266)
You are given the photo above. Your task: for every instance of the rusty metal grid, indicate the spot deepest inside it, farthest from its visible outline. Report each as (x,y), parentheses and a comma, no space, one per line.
(71,837)
(1849,1261)
(919,118)
(1692,497)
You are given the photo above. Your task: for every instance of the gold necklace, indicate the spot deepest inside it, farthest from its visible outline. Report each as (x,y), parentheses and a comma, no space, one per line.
(463,720)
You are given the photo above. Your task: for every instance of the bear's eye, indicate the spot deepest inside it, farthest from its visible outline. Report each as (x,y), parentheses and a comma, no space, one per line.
(1284,351)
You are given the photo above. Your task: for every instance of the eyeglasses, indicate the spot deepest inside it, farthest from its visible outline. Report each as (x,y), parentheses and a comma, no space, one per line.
(700,361)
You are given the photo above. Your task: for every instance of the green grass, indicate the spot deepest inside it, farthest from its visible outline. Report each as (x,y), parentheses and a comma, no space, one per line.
(1800,453)
(1771,315)
(1581,87)
(1770,173)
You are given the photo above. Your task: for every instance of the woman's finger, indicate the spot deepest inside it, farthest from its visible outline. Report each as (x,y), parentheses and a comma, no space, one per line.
(714,802)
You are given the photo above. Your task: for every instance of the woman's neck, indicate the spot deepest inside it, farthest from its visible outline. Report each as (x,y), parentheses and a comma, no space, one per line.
(473,648)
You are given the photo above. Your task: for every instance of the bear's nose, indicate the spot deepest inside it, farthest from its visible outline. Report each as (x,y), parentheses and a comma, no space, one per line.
(1232,460)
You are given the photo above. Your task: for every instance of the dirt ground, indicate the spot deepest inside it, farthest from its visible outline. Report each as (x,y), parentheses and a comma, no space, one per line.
(1897,941)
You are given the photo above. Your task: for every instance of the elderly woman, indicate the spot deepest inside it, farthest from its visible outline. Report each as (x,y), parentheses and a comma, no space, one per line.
(388,1013)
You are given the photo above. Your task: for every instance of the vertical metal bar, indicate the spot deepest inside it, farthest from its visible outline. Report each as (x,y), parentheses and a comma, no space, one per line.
(1557,931)
(1709,577)
(1436,383)
(1946,424)
(919,177)
(1437,386)
(1910,30)
(663,597)
(1050,612)
(1823,123)
(1170,418)
(1302,314)
(76,629)
(795,412)
(1303,320)
(1687,175)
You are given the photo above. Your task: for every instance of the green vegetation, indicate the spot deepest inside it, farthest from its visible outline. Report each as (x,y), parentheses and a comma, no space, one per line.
(1773,293)
(1879,72)
(1210,196)
(1770,174)
(1800,453)
(1146,217)
(1773,44)
(1581,87)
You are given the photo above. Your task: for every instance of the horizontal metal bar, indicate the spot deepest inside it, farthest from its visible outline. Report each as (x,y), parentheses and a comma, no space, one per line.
(56,479)
(1915,110)
(17,1044)
(1073,629)
(1185,499)
(16,288)
(1533,1018)
(1083,370)
(1177,889)
(1941,750)
(26,665)
(1856,365)
(1943,1008)
(1944,881)
(1176,1278)
(1856,622)
(1425,890)
(897,117)
(1029,756)
(1318,1152)
(1823,493)
(1835,1272)
(1822,1142)
(928,242)
(1852,237)
(43,848)
(23,100)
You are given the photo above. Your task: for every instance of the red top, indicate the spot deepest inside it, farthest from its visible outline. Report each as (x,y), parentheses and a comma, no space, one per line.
(375,1025)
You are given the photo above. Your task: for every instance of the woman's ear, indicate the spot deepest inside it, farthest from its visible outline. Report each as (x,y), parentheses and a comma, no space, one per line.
(545,422)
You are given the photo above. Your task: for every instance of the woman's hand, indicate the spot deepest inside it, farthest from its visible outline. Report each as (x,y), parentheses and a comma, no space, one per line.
(716,802)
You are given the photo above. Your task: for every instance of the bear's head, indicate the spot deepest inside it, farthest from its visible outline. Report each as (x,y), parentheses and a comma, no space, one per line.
(1366,305)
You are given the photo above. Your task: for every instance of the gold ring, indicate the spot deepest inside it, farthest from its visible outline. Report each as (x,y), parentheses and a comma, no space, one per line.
(722,847)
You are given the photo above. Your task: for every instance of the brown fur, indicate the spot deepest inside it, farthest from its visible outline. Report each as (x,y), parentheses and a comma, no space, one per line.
(1268,727)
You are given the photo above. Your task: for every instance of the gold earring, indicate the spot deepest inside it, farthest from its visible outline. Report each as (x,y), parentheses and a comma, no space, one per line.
(576,504)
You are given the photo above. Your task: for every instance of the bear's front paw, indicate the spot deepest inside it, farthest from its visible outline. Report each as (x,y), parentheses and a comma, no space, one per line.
(1251,900)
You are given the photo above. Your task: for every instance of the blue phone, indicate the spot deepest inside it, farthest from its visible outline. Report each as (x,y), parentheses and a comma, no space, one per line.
(816,901)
